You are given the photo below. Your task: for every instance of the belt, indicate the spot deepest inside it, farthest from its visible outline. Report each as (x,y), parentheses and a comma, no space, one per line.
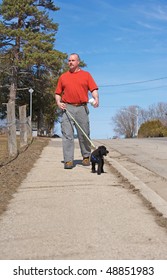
(78,104)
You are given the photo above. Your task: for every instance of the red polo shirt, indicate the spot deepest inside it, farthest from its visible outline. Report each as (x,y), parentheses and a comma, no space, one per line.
(74,87)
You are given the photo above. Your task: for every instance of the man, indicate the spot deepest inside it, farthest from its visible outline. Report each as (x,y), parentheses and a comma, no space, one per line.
(72,94)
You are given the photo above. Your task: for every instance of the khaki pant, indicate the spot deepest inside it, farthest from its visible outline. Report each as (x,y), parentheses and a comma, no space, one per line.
(81,115)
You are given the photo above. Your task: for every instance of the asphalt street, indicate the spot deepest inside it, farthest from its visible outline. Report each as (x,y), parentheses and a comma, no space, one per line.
(144,158)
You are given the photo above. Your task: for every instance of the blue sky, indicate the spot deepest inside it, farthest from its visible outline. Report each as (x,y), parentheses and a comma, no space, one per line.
(121,42)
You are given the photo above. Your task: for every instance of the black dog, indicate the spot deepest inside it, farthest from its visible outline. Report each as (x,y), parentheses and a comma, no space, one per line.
(97,158)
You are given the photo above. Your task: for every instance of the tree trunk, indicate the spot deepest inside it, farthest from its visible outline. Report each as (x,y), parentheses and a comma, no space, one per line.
(13,86)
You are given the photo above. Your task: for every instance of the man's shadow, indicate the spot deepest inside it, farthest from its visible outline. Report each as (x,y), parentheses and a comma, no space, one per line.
(75,162)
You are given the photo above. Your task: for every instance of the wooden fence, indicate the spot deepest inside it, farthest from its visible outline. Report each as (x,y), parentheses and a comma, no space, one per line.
(24,125)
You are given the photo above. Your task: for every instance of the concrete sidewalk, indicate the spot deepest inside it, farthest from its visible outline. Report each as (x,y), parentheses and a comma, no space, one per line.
(74,214)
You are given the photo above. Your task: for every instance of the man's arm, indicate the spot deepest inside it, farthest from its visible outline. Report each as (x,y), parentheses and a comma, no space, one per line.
(60,104)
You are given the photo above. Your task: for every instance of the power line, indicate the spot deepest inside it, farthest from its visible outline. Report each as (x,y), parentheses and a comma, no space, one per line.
(139,90)
(133,83)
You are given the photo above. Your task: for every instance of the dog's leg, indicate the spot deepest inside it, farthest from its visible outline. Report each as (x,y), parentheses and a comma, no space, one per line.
(99,167)
(93,167)
(102,164)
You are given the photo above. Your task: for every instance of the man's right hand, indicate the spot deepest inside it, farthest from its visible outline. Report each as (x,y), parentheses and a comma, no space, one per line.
(61,105)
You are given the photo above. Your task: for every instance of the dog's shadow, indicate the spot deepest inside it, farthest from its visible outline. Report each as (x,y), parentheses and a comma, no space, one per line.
(79,162)
(96,172)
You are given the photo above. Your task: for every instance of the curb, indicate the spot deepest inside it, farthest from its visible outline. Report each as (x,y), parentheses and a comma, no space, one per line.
(159,203)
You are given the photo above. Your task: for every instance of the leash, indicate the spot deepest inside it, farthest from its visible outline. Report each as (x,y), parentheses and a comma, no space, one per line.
(80,129)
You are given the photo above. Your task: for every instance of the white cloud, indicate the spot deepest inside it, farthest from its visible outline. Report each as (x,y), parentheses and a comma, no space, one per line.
(153,12)
(148,26)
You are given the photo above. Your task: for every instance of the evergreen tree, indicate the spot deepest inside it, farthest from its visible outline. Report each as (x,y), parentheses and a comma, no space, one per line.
(27,37)
(26,34)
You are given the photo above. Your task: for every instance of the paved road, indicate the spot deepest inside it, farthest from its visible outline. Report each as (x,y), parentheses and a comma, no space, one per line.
(74,214)
(145,158)
(150,152)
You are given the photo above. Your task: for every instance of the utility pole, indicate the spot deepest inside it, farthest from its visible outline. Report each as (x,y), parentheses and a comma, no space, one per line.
(31,91)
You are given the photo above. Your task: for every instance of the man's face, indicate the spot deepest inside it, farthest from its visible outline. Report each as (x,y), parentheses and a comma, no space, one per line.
(73,62)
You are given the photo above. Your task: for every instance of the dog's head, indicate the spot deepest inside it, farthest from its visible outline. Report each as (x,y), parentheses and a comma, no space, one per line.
(102,150)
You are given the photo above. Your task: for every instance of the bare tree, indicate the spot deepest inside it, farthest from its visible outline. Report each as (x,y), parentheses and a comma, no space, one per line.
(155,112)
(128,119)
(126,122)
(158,111)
